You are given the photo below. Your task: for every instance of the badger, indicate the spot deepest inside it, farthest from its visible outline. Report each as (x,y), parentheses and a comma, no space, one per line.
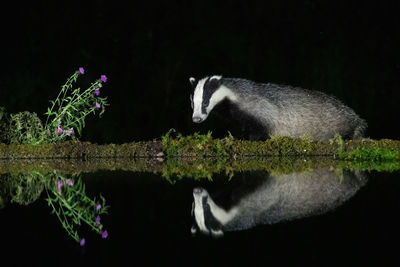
(266,199)
(266,109)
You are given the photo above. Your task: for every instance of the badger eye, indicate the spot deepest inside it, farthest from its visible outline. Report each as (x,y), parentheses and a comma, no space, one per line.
(191,100)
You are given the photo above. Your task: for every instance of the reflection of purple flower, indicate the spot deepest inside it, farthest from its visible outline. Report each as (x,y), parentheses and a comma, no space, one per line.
(98,219)
(82,242)
(81,70)
(97,92)
(104,234)
(103,78)
(59,184)
(70,132)
(98,207)
(97,105)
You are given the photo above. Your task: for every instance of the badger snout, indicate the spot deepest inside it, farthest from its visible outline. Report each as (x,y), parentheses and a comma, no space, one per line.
(199,192)
(197,119)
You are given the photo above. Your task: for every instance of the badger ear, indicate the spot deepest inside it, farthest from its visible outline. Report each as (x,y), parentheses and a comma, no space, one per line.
(217,233)
(215,81)
(192,81)
(216,77)
(193,229)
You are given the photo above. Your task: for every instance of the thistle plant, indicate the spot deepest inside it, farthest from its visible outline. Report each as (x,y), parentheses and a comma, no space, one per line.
(67,114)
(67,198)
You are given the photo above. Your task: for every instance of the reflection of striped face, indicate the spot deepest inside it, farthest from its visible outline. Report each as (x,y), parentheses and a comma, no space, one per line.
(203,210)
(205,97)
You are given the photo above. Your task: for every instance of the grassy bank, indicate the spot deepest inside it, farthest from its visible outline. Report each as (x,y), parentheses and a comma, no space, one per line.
(202,146)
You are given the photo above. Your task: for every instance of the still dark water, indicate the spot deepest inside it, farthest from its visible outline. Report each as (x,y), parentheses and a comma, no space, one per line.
(313,219)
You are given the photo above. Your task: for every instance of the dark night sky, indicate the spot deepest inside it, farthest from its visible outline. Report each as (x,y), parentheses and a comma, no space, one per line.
(150,49)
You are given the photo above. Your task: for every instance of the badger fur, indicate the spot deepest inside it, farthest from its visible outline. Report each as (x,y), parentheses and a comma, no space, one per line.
(265,199)
(274,109)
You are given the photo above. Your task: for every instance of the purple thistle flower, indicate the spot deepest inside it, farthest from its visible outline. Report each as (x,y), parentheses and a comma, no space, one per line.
(98,207)
(97,105)
(104,234)
(82,242)
(81,70)
(70,182)
(98,219)
(70,132)
(59,129)
(103,78)
(60,184)
(97,92)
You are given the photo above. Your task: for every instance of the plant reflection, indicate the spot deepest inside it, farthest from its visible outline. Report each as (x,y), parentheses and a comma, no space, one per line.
(73,207)
(65,195)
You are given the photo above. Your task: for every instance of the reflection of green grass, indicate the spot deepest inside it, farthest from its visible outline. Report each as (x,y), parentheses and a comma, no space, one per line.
(388,166)
(176,168)
(196,168)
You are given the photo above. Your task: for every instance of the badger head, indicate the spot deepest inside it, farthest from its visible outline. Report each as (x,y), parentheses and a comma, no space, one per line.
(208,217)
(208,92)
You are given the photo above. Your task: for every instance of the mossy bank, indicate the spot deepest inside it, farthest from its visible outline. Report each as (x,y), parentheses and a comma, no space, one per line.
(202,146)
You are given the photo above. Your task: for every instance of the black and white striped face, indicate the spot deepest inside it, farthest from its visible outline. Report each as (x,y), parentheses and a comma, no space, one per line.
(206,95)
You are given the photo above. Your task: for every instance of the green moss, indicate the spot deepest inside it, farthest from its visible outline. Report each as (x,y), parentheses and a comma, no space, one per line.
(339,141)
(205,145)
(371,154)
(287,146)
(282,146)
(194,145)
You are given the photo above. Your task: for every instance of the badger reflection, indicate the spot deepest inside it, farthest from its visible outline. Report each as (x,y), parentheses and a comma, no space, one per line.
(265,199)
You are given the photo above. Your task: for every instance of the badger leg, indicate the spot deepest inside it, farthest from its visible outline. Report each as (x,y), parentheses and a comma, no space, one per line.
(253,132)
(252,129)
(359,131)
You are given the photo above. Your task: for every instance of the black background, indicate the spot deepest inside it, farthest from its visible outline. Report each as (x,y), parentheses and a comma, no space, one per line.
(149,49)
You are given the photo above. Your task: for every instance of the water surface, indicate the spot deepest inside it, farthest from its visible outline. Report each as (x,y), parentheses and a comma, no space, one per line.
(314,217)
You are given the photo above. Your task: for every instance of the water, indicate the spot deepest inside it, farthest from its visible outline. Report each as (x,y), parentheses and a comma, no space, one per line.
(318,217)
